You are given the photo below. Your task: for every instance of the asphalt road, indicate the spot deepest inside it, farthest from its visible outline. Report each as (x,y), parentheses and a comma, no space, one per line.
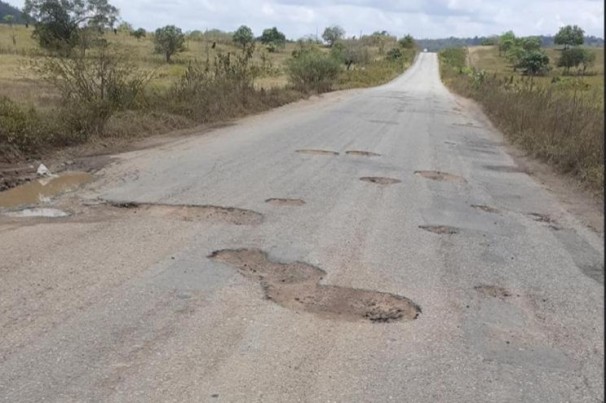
(125,304)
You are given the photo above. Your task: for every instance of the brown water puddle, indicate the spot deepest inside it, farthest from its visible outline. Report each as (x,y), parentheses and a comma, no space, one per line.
(41,189)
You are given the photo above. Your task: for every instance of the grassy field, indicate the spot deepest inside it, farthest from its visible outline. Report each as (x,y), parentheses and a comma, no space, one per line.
(591,85)
(557,118)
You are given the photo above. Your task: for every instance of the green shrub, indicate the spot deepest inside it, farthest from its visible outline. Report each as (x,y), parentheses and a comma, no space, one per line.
(312,70)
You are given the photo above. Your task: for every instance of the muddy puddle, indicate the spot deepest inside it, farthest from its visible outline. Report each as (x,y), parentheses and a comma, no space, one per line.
(43,189)
(296,286)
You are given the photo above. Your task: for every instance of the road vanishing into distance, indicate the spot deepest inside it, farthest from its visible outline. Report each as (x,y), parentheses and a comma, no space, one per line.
(364,246)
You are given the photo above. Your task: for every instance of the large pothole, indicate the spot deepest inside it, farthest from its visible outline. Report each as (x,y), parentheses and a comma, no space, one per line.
(440,176)
(231,215)
(380,180)
(296,286)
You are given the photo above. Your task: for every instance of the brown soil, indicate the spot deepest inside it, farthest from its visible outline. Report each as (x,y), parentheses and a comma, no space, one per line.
(380,180)
(285,202)
(318,152)
(440,229)
(440,176)
(229,215)
(296,286)
(492,291)
(485,208)
(362,153)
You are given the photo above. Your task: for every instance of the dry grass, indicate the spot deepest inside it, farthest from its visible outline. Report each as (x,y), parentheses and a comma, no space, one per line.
(560,124)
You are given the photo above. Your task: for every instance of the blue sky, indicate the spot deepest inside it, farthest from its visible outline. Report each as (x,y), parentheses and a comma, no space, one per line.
(422,19)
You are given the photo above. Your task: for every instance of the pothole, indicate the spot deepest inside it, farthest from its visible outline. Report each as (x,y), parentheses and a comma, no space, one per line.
(231,215)
(285,202)
(505,168)
(37,212)
(492,291)
(43,189)
(544,218)
(440,176)
(380,180)
(485,208)
(362,153)
(440,229)
(468,124)
(296,286)
(317,152)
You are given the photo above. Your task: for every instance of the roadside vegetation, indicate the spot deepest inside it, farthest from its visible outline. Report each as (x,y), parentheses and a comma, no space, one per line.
(550,102)
(76,73)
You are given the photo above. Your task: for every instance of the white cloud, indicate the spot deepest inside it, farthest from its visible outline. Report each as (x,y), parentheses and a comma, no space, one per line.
(421,18)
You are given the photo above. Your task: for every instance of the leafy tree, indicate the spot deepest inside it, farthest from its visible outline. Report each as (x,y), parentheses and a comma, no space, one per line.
(350,53)
(574,57)
(506,42)
(531,43)
(407,42)
(243,36)
(139,33)
(169,40)
(534,63)
(273,38)
(570,36)
(59,23)
(332,34)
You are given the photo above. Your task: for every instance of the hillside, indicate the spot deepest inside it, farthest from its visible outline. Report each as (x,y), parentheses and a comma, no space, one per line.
(7,9)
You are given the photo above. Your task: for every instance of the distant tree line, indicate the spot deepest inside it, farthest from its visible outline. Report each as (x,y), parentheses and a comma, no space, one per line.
(434,45)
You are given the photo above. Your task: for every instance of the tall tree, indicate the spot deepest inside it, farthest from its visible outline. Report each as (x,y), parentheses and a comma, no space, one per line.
(60,23)
(273,38)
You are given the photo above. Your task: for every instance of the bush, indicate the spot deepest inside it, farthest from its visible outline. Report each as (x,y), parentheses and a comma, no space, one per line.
(534,63)
(311,70)
(92,88)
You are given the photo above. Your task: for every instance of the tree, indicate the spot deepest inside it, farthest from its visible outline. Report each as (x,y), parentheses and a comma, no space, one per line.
(407,42)
(570,36)
(531,43)
(273,38)
(169,40)
(59,23)
(139,33)
(534,63)
(243,36)
(332,34)
(574,57)
(506,42)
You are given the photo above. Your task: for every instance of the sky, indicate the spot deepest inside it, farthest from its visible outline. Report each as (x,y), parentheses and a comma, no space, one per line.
(420,18)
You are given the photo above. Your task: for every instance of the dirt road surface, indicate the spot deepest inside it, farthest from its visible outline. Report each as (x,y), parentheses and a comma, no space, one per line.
(372,245)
